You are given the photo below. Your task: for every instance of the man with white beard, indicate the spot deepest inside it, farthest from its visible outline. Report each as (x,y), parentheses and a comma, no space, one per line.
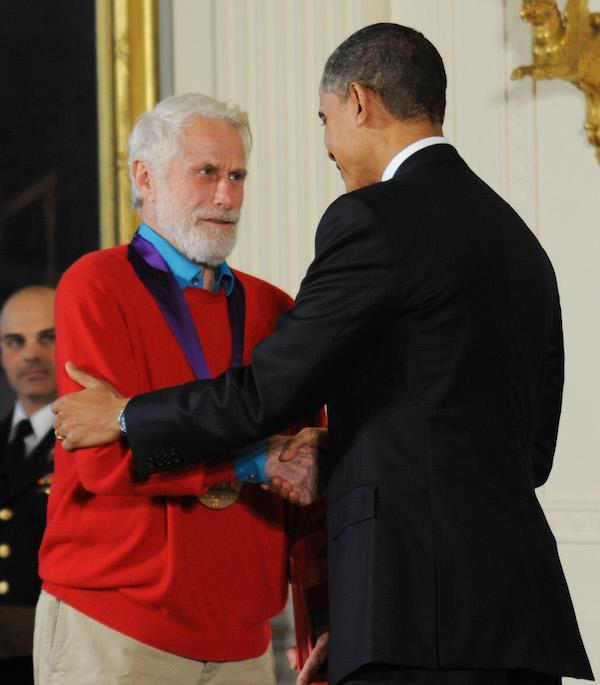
(173,578)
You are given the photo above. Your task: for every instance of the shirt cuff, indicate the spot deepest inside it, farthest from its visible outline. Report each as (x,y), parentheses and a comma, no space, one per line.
(250,463)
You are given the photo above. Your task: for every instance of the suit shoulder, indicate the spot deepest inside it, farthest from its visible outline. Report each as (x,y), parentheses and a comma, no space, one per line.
(354,218)
(348,203)
(378,196)
(360,206)
(264,292)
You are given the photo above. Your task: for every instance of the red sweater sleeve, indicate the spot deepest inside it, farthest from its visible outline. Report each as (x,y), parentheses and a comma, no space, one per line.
(95,333)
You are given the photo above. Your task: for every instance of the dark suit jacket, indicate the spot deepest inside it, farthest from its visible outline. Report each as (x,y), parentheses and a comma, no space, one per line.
(23,519)
(429,322)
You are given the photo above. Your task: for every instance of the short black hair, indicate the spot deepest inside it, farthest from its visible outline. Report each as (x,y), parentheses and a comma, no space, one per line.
(397,63)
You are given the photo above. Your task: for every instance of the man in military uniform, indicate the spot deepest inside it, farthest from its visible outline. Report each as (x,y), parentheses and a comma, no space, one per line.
(26,461)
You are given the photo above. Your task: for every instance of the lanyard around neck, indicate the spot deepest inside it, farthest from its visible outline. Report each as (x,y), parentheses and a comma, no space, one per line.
(155,274)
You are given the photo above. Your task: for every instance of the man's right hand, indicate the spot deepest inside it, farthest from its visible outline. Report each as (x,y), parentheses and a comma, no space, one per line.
(314,663)
(294,478)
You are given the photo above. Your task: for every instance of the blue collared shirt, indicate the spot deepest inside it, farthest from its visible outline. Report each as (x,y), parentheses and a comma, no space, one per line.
(187,273)
(249,462)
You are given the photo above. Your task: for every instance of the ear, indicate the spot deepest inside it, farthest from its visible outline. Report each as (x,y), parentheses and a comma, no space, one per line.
(143,179)
(361,99)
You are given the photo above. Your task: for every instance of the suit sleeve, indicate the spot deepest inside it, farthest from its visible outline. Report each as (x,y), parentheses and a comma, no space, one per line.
(549,403)
(93,332)
(346,289)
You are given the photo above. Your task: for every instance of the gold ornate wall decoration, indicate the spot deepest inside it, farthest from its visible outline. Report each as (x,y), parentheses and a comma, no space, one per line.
(567,46)
(127,59)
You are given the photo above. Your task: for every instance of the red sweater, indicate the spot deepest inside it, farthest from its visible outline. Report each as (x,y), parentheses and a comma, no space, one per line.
(145,557)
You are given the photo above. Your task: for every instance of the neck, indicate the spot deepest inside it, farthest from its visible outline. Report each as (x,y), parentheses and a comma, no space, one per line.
(208,272)
(208,278)
(31,405)
(402,134)
(148,217)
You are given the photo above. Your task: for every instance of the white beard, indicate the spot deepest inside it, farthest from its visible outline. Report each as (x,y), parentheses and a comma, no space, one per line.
(203,244)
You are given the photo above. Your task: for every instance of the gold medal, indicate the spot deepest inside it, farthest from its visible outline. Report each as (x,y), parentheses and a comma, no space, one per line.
(221,495)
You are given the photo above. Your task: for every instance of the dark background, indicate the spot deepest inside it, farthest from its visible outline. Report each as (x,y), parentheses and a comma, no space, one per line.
(48,124)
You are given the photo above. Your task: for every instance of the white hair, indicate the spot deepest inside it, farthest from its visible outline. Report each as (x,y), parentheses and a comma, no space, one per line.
(156,135)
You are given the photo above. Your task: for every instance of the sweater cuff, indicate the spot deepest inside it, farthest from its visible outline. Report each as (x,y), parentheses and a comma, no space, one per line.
(250,463)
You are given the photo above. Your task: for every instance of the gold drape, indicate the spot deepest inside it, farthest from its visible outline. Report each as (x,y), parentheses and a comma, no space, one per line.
(127,65)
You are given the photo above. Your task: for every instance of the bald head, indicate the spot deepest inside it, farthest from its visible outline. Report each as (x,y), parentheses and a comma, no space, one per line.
(27,346)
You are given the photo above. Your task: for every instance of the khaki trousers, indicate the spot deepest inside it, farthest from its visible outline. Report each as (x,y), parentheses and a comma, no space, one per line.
(69,648)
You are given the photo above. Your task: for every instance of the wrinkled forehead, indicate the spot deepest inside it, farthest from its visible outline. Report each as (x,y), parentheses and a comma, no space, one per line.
(216,137)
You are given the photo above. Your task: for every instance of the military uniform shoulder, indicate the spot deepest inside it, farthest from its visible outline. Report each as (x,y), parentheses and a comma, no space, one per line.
(263,290)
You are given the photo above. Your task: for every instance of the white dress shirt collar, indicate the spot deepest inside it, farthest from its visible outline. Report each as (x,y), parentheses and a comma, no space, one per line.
(41,423)
(404,154)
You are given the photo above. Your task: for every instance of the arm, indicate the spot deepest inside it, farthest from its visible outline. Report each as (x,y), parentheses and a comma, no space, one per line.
(346,290)
(549,403)
(294,477)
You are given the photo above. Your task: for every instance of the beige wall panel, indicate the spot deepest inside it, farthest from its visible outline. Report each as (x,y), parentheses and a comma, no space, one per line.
(193,46)
(553,180)
(568,182)
(521,167)
(479,82)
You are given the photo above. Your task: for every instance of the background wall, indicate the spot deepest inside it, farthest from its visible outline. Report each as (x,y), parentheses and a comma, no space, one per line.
(526,141)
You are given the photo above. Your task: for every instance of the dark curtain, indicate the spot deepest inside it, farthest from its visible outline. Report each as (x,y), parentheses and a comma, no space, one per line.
(48,139)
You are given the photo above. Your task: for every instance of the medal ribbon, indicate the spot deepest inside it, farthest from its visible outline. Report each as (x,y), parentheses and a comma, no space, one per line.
(155,274)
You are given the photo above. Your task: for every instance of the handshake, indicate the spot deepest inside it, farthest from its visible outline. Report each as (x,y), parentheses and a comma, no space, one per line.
(89,418)
(292,464)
